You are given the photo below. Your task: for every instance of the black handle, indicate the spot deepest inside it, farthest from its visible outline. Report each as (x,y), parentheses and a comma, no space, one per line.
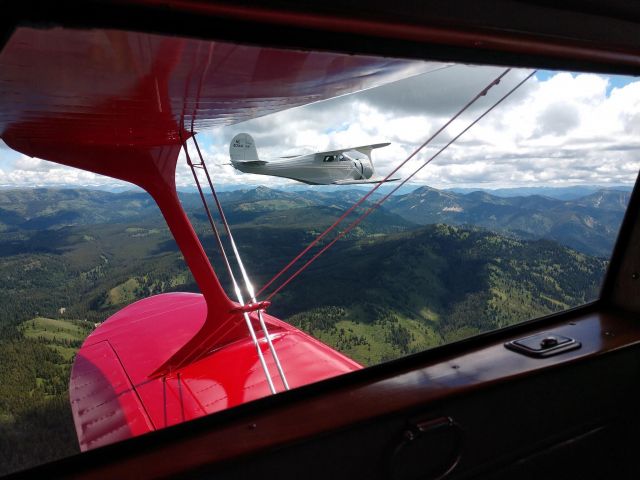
(418,432)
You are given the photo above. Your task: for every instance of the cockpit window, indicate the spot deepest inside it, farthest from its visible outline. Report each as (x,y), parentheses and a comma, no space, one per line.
(516,220)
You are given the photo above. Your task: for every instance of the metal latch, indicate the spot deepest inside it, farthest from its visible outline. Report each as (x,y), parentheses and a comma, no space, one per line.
(543,344)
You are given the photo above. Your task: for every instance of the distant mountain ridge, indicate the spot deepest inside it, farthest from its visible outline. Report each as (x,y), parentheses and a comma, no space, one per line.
(44,208)
(561,193)
(588,224)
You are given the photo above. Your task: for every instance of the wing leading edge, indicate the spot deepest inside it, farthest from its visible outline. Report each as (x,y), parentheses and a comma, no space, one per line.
(364,149)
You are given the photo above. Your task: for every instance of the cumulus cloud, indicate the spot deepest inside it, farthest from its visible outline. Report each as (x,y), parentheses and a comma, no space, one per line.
(558,129)
(558,119)
(25,171)
(435,94)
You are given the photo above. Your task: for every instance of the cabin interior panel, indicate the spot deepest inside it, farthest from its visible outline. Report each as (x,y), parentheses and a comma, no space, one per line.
(574,422)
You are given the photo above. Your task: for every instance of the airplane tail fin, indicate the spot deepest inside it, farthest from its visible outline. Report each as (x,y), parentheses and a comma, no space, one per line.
(243,149)
(369,171)
(366,149)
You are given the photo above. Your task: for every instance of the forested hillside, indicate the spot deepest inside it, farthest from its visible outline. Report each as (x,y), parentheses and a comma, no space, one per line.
(408,292)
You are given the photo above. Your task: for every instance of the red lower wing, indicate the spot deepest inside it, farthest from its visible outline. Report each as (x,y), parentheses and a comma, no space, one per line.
(113,396)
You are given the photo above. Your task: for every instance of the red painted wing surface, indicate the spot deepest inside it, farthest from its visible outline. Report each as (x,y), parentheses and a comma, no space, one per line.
(120,104)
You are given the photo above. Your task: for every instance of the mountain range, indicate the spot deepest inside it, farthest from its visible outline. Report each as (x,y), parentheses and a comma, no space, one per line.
(561,193)
(588,224)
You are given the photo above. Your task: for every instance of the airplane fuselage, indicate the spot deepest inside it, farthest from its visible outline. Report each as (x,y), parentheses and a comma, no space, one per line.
(315,169)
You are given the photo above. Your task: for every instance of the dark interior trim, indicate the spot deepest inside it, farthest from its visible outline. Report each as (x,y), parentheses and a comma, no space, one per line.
(508,32)
(442,373)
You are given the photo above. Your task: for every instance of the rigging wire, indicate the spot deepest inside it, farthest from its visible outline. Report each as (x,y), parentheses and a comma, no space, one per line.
(243,271)
(357,221)
(482,93)
(236,288)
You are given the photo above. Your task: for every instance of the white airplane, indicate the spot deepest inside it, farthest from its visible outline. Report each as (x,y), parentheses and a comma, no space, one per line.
(348,166)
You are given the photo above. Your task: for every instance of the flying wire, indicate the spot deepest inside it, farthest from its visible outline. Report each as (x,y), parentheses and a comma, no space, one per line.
(243,271)
(379,202)
(482,93)
(236,288)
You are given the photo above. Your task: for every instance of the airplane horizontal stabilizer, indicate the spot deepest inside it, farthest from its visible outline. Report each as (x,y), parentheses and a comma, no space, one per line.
(369,180)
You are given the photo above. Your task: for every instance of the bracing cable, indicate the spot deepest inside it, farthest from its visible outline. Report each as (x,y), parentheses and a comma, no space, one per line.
(482,93)
(383,199)
(243,271)
(236,287)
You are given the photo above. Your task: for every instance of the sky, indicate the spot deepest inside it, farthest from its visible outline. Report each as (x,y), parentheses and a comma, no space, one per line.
(558,129)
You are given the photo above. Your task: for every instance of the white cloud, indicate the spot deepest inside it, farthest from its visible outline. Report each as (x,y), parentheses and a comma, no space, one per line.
(31,164)
(27,171)
(557,129)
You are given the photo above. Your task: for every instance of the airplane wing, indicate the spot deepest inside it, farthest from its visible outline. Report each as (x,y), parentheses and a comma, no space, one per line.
(369,180)
(366,149)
